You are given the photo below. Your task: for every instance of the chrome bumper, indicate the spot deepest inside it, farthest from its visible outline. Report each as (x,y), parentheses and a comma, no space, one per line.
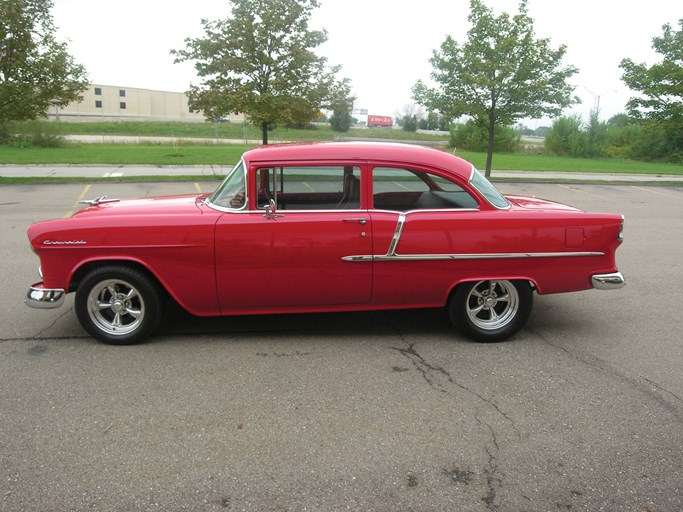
(44,298)
(612,281)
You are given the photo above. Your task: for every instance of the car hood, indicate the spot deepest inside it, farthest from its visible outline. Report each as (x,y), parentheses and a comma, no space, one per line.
(166,205)
(535,203)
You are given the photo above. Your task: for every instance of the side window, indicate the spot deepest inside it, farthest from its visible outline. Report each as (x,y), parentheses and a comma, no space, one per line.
(309,188)
(407,189)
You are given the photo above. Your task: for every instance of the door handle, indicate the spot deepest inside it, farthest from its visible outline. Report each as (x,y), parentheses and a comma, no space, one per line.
(359,220)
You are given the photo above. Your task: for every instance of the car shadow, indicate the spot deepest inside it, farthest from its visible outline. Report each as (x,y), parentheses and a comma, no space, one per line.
(178,322)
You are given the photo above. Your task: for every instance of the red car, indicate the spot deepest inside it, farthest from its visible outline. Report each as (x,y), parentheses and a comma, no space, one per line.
(325,227)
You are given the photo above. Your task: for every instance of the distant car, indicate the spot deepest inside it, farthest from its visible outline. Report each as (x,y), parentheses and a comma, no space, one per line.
(325,227)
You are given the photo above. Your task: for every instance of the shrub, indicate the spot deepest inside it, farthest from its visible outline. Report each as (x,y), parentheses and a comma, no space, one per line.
(473,137)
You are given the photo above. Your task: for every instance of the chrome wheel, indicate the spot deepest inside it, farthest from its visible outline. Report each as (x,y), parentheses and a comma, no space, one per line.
(116,307)
(118,304)
(491,311)
(492,304)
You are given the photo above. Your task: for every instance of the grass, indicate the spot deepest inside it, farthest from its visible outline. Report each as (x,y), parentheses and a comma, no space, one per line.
(318,132)
(121,154)
(228,154)
(533,162)
(184,152)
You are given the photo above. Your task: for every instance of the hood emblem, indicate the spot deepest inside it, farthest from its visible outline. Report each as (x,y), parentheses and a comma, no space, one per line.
(98,200)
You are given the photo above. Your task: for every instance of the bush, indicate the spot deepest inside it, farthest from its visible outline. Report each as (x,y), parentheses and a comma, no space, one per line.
(564,136)
(34,133)
(473,137)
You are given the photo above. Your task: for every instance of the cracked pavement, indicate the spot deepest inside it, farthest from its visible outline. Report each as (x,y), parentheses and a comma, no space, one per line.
(384,411)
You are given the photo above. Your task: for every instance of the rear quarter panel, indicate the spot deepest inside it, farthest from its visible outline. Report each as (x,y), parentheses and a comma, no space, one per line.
(557,251)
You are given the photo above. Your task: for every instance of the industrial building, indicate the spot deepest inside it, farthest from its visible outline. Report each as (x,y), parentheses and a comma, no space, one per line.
(116,103)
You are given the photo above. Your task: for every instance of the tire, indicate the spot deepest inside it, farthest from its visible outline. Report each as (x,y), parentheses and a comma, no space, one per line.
(118,305)
(491,311)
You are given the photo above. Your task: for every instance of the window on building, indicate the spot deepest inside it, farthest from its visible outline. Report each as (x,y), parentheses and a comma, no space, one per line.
(98,104)
(122,93)
(122,105)
(98,91)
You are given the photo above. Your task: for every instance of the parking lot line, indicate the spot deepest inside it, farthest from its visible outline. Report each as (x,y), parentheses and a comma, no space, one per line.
(80,197)
(658,192)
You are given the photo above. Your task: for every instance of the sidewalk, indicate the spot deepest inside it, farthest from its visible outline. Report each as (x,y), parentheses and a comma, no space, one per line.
(117,171)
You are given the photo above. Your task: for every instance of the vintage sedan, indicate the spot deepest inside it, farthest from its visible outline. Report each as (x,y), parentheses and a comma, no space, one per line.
(325,227)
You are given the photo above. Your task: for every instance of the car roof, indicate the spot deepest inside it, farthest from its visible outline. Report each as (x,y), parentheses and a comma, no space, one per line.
(396,153)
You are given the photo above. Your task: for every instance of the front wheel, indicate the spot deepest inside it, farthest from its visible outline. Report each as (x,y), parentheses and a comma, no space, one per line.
(490,311)
(118,305)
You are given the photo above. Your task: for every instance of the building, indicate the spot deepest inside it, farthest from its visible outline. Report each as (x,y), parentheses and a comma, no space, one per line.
(115,103)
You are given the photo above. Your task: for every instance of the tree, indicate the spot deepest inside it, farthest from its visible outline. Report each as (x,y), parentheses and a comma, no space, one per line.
(341,104)
(660,106)
(36,71)
(500,75)
(260,61)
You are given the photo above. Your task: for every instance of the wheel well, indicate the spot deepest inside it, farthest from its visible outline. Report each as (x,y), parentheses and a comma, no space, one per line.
(455,287)
(86,268)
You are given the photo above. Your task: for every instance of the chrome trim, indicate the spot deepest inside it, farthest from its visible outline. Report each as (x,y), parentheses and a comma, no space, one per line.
(225,209)
(44,298)
(620,235)
(483,175)
(397,234)
(612,281)
(98,200)
(485,256)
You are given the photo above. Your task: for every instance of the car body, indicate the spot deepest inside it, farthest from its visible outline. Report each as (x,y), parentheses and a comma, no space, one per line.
(325,227)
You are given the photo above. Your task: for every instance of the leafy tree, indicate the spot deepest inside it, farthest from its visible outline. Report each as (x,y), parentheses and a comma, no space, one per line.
(660,105)
(410,122)
(260,61)
(36,71)
(500,75)
(341,105)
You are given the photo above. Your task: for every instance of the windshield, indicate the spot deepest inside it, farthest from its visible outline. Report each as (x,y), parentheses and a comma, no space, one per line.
(486,189)
(232,192)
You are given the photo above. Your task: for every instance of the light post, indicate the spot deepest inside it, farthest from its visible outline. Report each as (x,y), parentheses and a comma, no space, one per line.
(596,97)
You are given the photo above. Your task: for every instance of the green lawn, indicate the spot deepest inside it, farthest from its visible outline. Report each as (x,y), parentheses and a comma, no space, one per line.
(228,154)
(118,154)
(179,151)
(212,130)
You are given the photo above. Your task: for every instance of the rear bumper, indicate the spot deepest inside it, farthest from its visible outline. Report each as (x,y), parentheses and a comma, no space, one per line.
(612,281)
(39,297)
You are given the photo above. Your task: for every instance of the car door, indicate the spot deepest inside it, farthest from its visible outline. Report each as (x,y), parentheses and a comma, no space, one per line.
(288,249)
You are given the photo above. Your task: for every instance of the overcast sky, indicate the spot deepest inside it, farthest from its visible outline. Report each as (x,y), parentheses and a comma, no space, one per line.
(383,46)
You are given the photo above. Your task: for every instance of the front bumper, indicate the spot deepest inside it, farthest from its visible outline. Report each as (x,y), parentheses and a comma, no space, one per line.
(612,281)
(39,297)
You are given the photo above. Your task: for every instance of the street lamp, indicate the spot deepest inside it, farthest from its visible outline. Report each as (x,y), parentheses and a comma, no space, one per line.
(596,97)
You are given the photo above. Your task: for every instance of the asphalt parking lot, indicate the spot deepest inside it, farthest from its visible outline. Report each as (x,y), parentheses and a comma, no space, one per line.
(387,411)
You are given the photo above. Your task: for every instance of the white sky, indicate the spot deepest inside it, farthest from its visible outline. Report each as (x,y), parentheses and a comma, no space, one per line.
(383,46)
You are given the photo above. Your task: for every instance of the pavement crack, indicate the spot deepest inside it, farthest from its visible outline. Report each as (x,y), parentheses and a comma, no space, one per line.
(493,480)
(431,373)
(640,382)
(64,313)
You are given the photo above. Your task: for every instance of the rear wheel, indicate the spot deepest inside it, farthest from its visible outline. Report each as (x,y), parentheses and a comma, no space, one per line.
(489,311)
(118,305)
